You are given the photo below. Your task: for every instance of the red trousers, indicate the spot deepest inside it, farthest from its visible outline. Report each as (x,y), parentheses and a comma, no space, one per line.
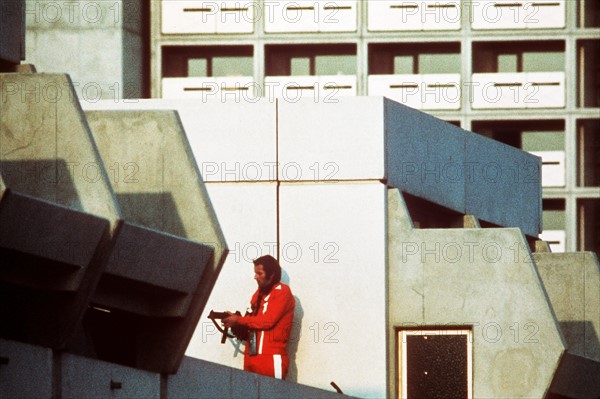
(270,365)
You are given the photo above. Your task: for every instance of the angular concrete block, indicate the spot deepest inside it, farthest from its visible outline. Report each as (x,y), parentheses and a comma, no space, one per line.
(498,168)
(247,213)
(484,280)
(25,370)
(338,285)
(56,198)
(576,377)
(231,141)
(425,156)
(86,378)
(169,248)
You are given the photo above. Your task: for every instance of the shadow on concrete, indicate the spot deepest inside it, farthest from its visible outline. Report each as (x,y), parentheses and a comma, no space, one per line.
(296,332)
(582,337)
(153,210)
(51,180)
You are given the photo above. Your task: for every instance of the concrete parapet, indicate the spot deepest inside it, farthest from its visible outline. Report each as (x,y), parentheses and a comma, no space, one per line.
(54,206)
(25,371)
(481,280)
(169,248)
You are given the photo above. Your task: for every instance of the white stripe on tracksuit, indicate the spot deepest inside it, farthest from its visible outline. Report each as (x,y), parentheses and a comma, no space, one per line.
(277,366)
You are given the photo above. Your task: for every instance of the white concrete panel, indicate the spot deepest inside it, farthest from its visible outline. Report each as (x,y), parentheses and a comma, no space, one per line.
(338,140)
(237,88)
(247,213)
(292,88)
(189,16)
(26,371)
(555,238)
(553,168)
(291,16)
(393,15)
(544,90)
(236,16)
(231,141)
(333,86)
(333,242)
(498,14)
(337,16)
(440,15)
(440,91)
(500,90)
(544,14)
(404,89)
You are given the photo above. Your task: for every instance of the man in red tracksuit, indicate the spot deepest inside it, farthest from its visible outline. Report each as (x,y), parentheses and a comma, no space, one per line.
(270,323)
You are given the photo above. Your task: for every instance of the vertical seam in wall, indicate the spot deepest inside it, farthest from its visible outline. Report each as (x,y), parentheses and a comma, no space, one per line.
(164,386)
(56,151)
(277,184)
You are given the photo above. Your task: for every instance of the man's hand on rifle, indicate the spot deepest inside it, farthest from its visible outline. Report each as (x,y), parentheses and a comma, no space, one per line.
(231,321)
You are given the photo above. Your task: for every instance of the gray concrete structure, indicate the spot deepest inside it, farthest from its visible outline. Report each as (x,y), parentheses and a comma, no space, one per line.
(99,43)
(484,279)
(50,171)
(33,372)
(170,248)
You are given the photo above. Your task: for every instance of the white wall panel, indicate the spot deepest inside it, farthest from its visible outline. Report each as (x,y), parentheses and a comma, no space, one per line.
(499,90)
(291,16)
(553,168)
(337,16)
(431,91)
(545,14)
(555,238)
(440,15)
(189,16)
(391,15)
(326,141)
(231,141)
(235,16)
(545,90)
(226,88)
(333,243)
(247,213)
(509,14)
(292,88)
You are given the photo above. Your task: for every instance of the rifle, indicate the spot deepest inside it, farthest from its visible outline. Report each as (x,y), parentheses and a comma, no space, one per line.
(239,332)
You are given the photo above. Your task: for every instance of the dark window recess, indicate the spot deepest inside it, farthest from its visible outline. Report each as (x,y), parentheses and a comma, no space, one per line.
(530,135)
(518,56)
(426,214)
(189,61)
(588,152)
(588,73)
(436,366)
(589,224)
(589,14)
(414,58)
(313,59)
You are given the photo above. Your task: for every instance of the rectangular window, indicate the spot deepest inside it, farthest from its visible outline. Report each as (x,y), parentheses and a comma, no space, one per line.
(197,67)
(335,65)
(232,66)
(435,363)
(439,63)
(404,65)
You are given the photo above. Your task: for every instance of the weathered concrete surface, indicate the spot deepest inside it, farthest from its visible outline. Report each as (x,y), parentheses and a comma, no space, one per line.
(572,281)
(170,242)
(55,200)
(78,37)
(484,279)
